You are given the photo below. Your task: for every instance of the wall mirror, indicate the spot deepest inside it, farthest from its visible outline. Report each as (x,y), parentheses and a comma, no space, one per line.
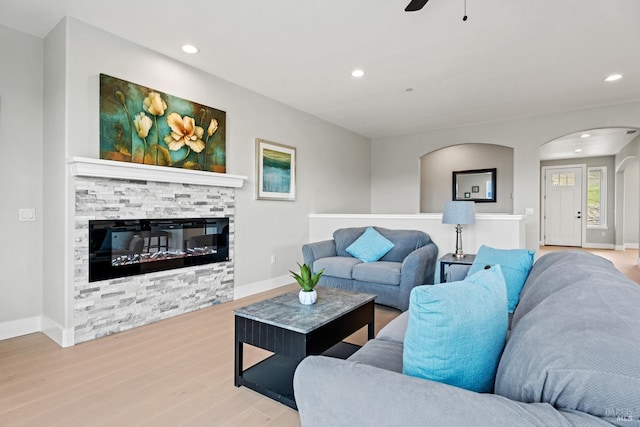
(478,185)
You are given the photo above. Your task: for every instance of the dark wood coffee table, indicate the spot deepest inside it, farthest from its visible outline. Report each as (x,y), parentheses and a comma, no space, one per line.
(294,331)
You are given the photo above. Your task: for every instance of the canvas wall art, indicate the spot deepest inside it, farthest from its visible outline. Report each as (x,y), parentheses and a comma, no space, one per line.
(276,171)
(143,125)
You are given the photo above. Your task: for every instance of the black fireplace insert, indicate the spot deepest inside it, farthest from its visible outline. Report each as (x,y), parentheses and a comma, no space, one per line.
(126,247)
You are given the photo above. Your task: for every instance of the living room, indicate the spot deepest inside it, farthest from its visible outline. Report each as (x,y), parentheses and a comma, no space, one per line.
(49,94)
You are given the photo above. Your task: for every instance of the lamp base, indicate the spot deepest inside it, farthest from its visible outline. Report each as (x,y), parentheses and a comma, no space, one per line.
(459,253)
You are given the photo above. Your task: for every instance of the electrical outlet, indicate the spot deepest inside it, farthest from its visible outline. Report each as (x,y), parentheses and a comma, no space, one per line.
(528,211)
(273,259)
(26,214)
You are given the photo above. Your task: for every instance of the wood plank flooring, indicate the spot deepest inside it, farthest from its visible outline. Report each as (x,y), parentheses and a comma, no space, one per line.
(177,372)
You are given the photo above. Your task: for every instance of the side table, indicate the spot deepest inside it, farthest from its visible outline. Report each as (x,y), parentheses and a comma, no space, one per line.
(450,259)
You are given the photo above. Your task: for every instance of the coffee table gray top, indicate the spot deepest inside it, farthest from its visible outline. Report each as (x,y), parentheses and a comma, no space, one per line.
(285,311)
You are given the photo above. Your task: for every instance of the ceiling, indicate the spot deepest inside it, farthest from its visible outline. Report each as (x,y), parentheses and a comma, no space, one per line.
(424,70)
(588,143)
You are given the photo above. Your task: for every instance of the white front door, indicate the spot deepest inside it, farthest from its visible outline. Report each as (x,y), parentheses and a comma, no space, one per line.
(563,206)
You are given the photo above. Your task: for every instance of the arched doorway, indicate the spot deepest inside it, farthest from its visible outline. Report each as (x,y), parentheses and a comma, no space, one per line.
(436,172)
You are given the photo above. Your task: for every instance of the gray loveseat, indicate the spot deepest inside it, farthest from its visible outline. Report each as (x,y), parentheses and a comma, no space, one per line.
(411,262)
(572,358)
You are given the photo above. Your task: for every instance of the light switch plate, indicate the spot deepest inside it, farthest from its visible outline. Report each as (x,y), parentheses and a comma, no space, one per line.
(26,214)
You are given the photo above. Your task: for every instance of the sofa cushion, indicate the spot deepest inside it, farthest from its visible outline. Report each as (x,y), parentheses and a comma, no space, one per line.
(557,270)
(386,273)
(456,331)
(577,350)
(394,331)
(381,354)
(344,237)
(515,263)
(370,246)
(405,241)
(336,266)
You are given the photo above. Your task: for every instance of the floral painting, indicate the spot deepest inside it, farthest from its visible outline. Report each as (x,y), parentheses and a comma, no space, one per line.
(143,125)
(276,171)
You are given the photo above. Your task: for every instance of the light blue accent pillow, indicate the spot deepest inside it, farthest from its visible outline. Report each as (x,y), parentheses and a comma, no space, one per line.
(456,331)
(370,246)
(515,263)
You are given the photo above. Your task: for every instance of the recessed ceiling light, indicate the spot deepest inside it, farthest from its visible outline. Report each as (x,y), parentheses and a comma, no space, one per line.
(357,73)
(585,135)
(578,150)
(190,49)
(613,77)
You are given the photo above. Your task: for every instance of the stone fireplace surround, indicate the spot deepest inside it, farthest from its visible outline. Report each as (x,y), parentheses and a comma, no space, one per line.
(106,190)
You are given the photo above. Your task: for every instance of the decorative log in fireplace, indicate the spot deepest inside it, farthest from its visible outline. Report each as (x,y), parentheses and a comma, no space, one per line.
(126,247)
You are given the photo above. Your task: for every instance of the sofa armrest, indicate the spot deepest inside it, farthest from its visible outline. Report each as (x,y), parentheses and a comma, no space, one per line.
(316,250)
(456,272)
(335,392)
(419,267)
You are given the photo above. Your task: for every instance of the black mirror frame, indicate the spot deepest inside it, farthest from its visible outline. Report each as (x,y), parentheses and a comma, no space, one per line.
(475,171)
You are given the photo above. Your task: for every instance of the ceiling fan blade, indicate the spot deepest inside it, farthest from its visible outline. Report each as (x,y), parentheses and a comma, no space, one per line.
(415,5)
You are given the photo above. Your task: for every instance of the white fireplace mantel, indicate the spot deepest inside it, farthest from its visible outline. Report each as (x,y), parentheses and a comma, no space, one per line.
(82,166)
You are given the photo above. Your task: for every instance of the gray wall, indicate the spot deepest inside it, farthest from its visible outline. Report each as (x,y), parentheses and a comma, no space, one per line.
(395,165)
(20,176)
(599,236)
(436,175)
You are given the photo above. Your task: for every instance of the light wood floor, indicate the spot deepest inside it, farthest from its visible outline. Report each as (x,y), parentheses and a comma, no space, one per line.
(177,372)
(626,261)
(171,373)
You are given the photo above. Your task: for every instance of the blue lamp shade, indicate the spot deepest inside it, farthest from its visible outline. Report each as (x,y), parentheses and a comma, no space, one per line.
(459,213)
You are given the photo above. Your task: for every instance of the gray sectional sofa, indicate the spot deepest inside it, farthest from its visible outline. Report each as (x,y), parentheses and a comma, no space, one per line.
(411,262)
(572,358)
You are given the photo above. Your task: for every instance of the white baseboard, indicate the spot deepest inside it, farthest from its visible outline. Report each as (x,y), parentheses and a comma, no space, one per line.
(599,246)
(619,248)
(63,337)
(264,285)
(30,325)
(631,246)
(16,328)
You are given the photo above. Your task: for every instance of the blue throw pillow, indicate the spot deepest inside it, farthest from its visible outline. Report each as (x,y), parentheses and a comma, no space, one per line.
(515,263)
(370,246)
(456,331)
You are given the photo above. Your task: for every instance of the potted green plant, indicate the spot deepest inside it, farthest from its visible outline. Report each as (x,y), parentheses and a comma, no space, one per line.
(307,281)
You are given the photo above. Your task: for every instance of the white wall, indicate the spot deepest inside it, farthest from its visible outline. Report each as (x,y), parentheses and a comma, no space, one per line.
(333,172)
(628,155)
(20,180)
(632,204)
(395,160)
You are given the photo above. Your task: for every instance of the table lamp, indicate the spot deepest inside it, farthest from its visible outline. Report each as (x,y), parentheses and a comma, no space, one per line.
(459,213)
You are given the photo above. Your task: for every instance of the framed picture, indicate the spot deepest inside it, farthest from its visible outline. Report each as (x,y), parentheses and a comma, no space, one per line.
(276,171)
(475,189)
(143,125)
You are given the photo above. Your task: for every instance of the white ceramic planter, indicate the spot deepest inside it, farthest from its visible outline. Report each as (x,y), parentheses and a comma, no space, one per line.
(308,298)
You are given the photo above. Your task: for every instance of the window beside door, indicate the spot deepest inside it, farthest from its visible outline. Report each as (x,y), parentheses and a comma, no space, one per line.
(596,197)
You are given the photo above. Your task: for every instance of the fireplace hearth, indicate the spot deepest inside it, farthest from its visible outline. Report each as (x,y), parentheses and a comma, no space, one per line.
(127,247)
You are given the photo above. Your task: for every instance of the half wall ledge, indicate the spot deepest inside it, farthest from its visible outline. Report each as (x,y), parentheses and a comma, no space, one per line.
(82,166)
